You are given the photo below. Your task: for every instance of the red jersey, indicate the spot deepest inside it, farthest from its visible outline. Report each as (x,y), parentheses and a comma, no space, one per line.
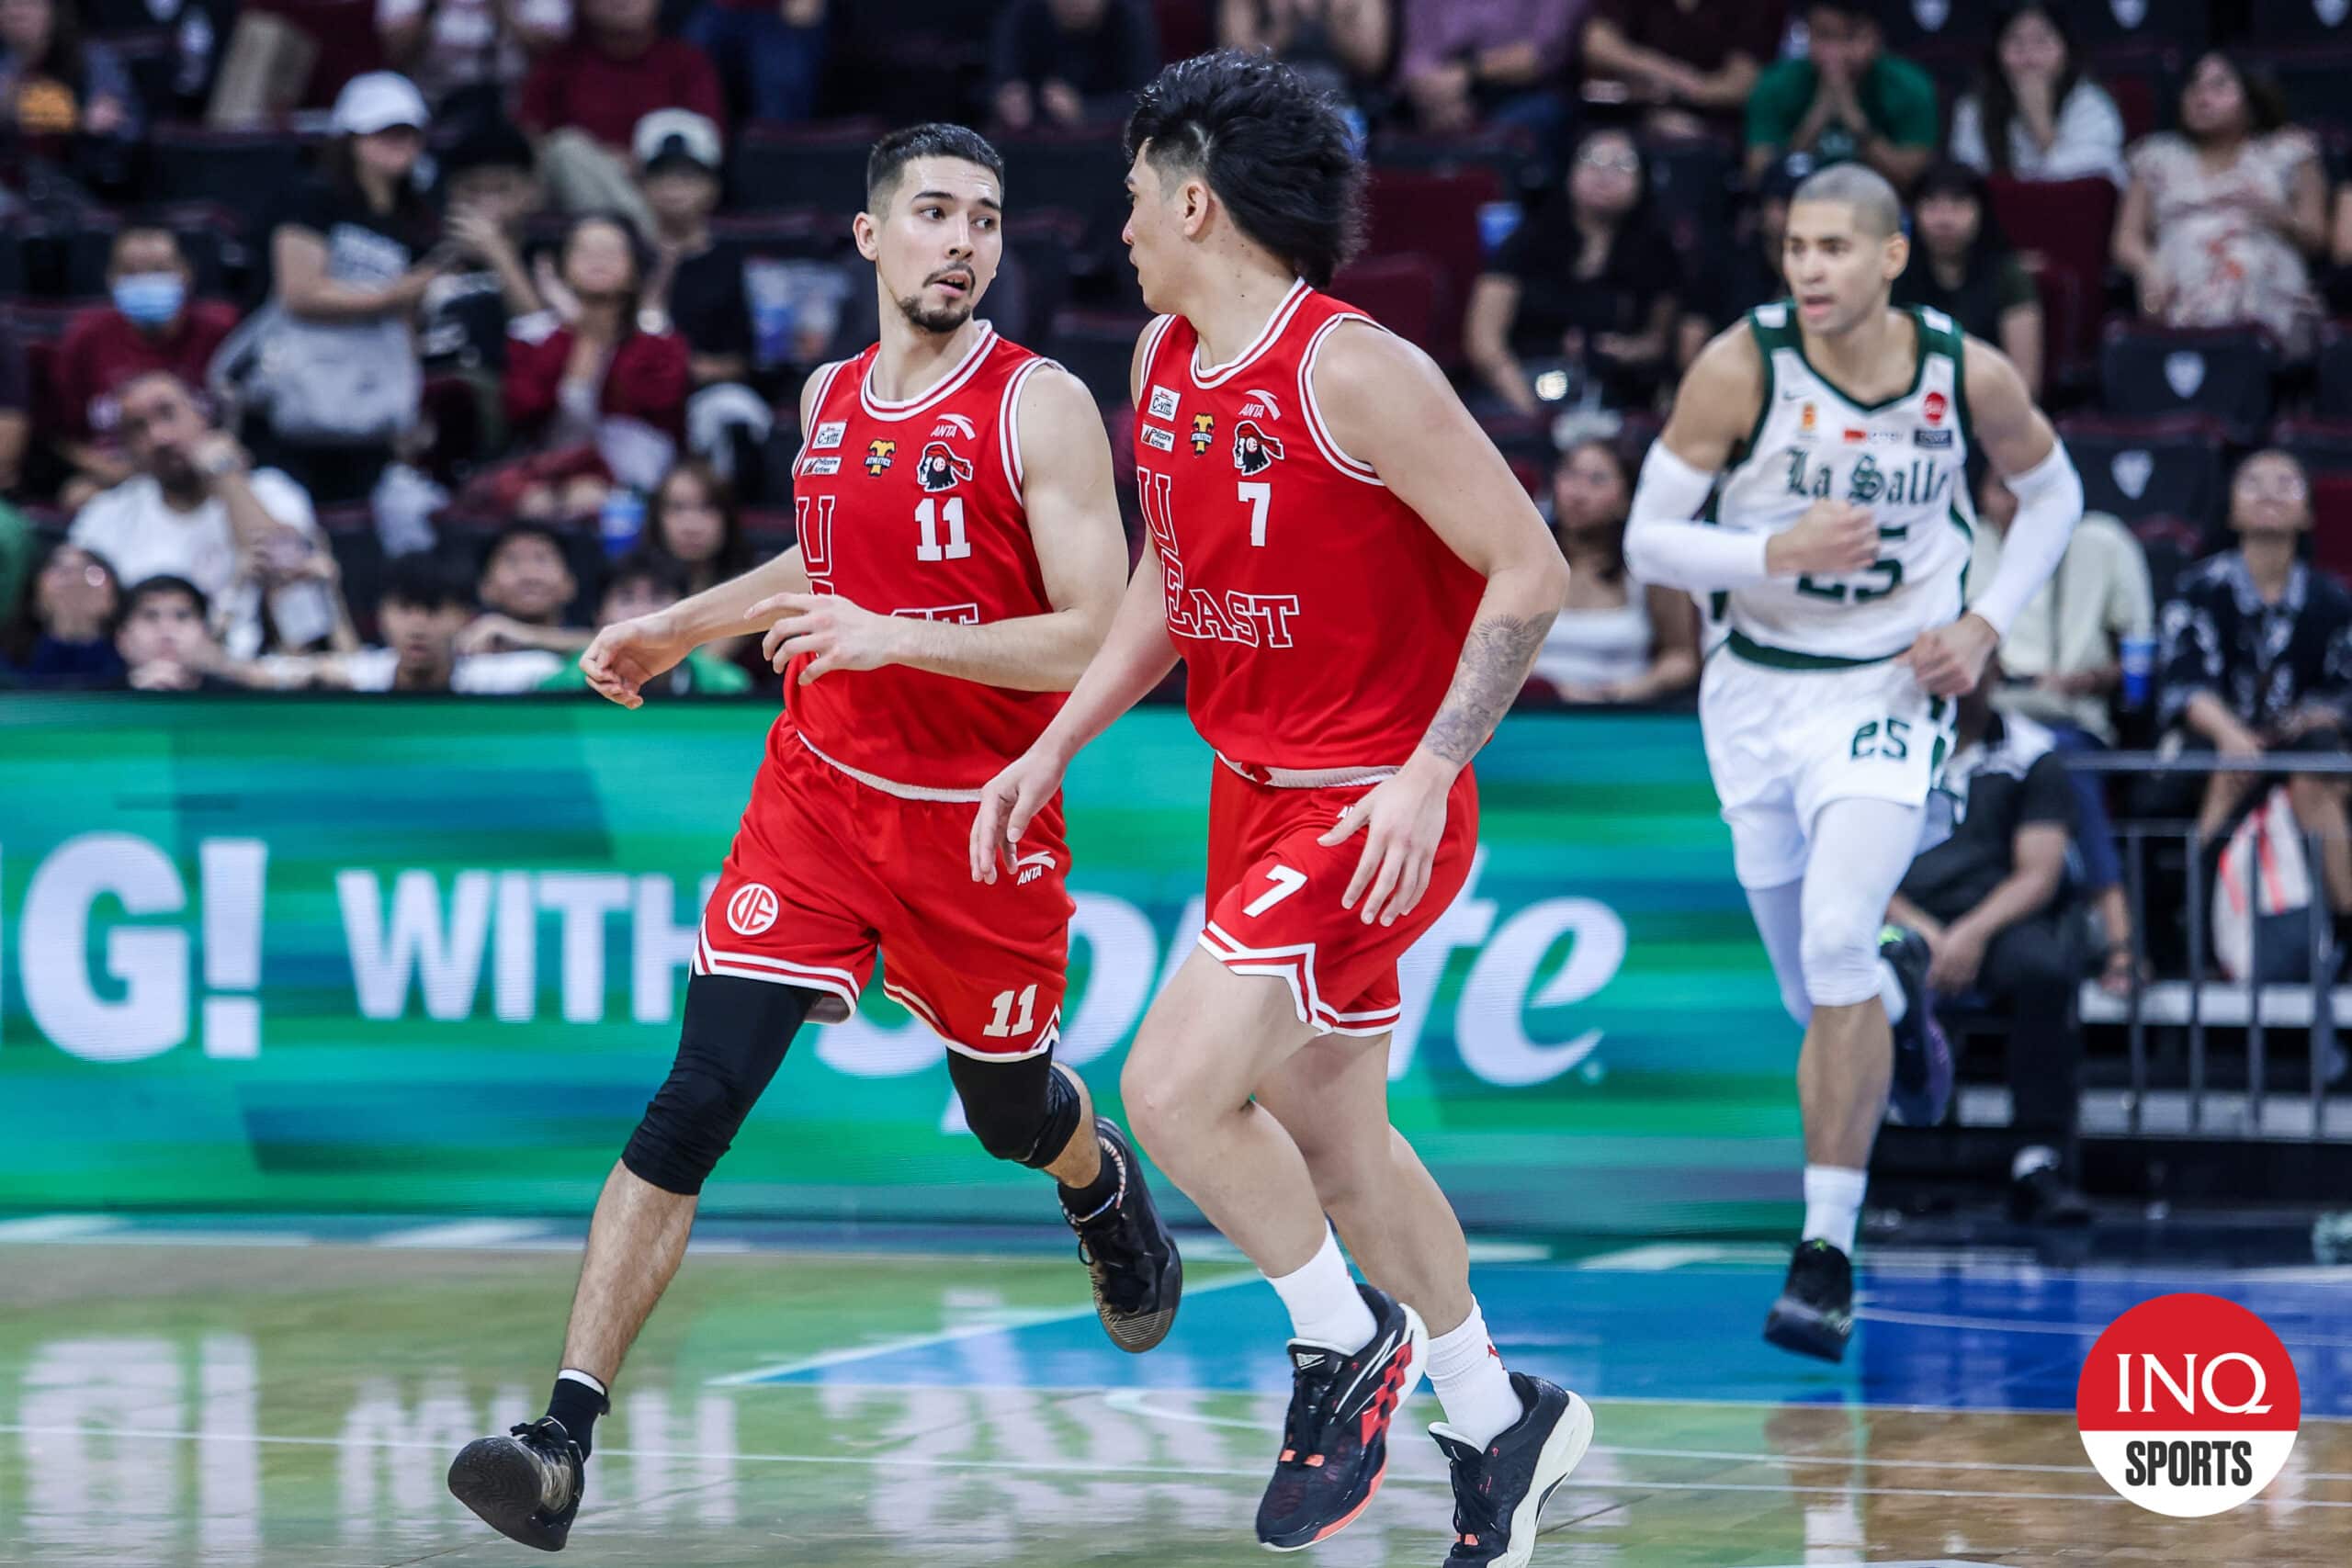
(1319,618)
(914,509)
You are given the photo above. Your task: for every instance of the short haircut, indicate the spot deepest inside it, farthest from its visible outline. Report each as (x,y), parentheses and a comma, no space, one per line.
(1877,209)
(513,531)
(646,564)
(935,138)
(156,587)
(425,580)
(1276,151)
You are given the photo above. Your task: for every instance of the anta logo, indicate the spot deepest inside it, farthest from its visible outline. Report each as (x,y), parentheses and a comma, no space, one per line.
(1261,404)
(938,469)
(1204,432)
(1032,866)
(1254,451)
(953,424)
(878,454)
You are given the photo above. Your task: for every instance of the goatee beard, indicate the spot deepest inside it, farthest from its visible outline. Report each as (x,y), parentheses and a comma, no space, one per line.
(941,322)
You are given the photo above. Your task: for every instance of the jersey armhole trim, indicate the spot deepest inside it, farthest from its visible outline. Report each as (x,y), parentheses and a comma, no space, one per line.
(825,379)
(1008,422)
(1154,335)
(1959,392)
(1762,336)
(1325,442)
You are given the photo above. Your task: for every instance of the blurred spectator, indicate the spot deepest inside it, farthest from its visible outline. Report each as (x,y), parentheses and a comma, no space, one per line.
(1583,296)
(583,102)
(2256,646)
(691,519)
(1746,273)
(1847,99)
(2062,655)
(771,53)
(698,286)
(1988,901)
(1341,46)
(426,605)
(151,324)
(491,186)
(1616,641)
(2033,115)
(646,585)
(64,633)
(16,407)
(2220,215)
(55,84)
(525,579)
(601,398)
(464,55)
(1071,62)
(1962,265)
(1495,62)
(196,511)
(166,641)
(1693,63)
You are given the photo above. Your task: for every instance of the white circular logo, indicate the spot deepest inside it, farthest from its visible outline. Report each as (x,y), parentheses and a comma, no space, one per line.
(752,909)
(2188,1405)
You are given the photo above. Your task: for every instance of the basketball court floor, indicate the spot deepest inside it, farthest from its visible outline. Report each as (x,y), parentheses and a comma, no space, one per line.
(186,1392)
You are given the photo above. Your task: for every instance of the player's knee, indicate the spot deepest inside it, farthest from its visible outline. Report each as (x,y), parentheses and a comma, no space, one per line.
(690,1124)
(1840,957)
(735,1035)
(1025,1112)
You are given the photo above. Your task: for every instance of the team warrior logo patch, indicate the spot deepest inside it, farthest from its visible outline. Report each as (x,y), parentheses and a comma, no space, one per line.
(878,454)
(1254,451)
(1204,432)
(938,469)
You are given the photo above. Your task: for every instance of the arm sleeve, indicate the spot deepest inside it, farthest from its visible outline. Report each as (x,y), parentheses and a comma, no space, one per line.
(2048,797)
(2050,502)
(1664,547)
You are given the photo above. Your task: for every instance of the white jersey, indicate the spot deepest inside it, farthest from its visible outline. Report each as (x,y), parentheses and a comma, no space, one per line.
(1903,459)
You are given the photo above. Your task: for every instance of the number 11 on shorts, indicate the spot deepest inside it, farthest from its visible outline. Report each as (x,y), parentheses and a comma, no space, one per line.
(1004,1025)
(1285,883)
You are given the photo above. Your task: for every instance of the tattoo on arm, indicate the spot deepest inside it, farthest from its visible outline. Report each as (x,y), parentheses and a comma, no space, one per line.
(1495,662)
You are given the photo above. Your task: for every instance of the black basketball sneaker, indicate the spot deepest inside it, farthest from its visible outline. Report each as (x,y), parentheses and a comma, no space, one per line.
(1500,1491)
(525,1485)
(1923,1066)
(1138,1276)
(1335,1440)
(1815,1316)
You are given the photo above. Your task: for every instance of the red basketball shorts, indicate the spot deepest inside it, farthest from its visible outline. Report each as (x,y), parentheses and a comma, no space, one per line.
(1274,898)
(826,871)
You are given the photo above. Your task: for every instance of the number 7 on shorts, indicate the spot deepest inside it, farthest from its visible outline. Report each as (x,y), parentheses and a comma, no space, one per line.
(1285,883)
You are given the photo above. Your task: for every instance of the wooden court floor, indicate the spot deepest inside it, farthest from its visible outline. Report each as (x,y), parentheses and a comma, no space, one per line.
(249,1398)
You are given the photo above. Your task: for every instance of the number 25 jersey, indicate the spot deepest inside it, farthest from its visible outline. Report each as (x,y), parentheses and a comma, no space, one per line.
(914,508)
(1321,619)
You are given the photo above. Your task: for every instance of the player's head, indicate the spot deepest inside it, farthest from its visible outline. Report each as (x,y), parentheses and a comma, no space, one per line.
(2271,495)
(1236,151)
(1844,247)
(425,604)
(933,224)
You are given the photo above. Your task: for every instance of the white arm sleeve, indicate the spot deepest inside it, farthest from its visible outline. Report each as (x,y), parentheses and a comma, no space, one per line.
(2050,502)
(1664,548)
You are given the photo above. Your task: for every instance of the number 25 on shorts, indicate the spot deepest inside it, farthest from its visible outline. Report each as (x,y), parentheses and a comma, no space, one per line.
(1285,883)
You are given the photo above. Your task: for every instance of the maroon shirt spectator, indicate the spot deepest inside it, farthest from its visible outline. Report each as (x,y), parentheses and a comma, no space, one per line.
(104,347)
(617,70)
(645,377)
(1463,59)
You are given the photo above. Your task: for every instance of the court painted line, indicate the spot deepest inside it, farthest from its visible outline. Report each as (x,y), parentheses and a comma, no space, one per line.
(1006,1323)
(57,1227)
(1655,1258)
(1255,1475)
(464,1234)
(1208,1247)
(2015,1326)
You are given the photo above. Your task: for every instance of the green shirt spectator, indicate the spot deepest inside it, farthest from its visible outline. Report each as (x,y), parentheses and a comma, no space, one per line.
(702,674)
(1847,101)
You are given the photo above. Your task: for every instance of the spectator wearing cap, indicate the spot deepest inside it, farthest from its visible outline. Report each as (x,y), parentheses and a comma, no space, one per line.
(1846,100)
(1690,62)
(1496,62)
(582,103)
(770,53)
(149,324)
(459,51)
(643,583)
(698,286)
(1071,62)
(1962,265)
(491,188)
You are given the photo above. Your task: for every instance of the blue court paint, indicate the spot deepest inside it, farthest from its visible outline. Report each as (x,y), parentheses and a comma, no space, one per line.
(1984,1338)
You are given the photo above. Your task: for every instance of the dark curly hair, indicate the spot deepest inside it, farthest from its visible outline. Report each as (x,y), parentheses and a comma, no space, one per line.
(934,140)
(1277,152)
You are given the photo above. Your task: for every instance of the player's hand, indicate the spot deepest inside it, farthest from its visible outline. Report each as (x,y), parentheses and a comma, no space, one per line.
(627,654)
(1832,538)
(1949,661)
(1008,804)
(1404,819)
(839,633)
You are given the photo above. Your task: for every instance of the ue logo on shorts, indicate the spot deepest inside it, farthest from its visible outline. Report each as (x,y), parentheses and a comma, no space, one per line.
(753,909)
(2188,1405)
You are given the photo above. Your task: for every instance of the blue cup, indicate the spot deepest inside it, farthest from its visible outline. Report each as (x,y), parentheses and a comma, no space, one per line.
(1498,220)
(621,521)
(2138,655)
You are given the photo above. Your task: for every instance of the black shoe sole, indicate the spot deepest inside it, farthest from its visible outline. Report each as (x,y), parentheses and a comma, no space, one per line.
(1794,1325)
(495,1478)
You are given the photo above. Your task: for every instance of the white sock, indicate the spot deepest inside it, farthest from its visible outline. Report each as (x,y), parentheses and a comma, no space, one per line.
(1472,1384)
(1833,1204)
(1323,1303)
(576,1375)
(1889,991)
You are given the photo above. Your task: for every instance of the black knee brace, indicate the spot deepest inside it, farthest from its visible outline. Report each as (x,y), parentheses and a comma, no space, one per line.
(1023,1110)
(734,1037)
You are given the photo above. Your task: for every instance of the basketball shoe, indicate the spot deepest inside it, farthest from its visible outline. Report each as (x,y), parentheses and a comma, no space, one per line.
(1923,1069)
(525,1485)
(1815,1316)
(1335,1440)
(1138,1276)
(1500,1491)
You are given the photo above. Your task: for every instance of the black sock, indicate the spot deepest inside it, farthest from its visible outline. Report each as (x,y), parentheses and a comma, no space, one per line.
(577,1405)
(1085,1202)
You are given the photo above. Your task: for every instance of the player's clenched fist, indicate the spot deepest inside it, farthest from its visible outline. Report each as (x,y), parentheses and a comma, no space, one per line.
(1832,538)
(627,654)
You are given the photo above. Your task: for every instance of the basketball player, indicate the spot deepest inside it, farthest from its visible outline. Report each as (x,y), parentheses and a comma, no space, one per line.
(1839,430)
(958,563)
(1358,587)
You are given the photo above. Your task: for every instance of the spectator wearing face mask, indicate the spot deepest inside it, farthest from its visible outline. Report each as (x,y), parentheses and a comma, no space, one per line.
(643,584)
(149,324)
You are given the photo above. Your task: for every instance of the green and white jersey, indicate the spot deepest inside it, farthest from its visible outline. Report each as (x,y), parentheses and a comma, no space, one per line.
(1903,459)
